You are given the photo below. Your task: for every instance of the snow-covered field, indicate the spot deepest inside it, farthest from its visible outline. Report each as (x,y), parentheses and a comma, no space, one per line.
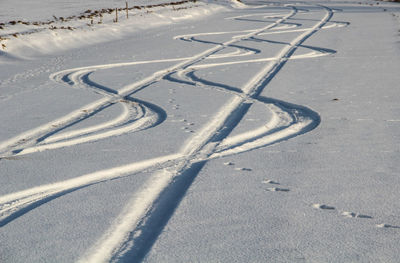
(208,131)
(40,10)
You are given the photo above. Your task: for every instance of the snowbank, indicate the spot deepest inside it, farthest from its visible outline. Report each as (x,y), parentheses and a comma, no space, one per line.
(25,39)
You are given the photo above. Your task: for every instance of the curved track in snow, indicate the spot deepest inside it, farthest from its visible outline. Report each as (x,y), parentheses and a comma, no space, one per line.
(132,233)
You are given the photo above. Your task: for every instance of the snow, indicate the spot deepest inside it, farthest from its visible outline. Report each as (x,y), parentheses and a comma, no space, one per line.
(42,10)
(85,28)
(220,132)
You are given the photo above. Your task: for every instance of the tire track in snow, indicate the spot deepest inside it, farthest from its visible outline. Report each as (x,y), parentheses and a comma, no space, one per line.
(75,77)
(137,115)
(132,235)
(135,230)
(33,140)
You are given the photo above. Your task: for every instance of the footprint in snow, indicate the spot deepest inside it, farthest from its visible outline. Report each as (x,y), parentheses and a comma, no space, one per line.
(186,129)
(243,169)
(322,206)
(238,168)
(277,189)
(344,213)
(355,215)
(386,226)
(266,181)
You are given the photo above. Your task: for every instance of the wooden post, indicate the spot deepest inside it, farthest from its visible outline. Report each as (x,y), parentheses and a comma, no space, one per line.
(126,3)
(116,15)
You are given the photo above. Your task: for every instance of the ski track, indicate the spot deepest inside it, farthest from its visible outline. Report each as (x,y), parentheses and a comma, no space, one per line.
(130,235)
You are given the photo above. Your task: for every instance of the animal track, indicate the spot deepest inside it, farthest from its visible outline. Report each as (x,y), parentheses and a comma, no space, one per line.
(355,215)
(187,129)
(238,168)
(386,226)
(243,169)
(346,214)
(322,206)
(270,182)
(276,189)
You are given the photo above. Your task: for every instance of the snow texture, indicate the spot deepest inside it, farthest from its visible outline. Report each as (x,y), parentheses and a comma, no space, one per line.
(199,131)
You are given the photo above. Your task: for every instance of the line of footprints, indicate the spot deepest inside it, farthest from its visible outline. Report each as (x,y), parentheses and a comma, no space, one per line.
(187,126)
(275,187)
(348,214)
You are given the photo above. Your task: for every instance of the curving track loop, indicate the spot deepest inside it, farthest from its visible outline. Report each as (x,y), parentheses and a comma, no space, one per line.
(131,236)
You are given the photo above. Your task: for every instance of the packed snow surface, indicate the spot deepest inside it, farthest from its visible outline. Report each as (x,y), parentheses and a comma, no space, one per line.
(199,131)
